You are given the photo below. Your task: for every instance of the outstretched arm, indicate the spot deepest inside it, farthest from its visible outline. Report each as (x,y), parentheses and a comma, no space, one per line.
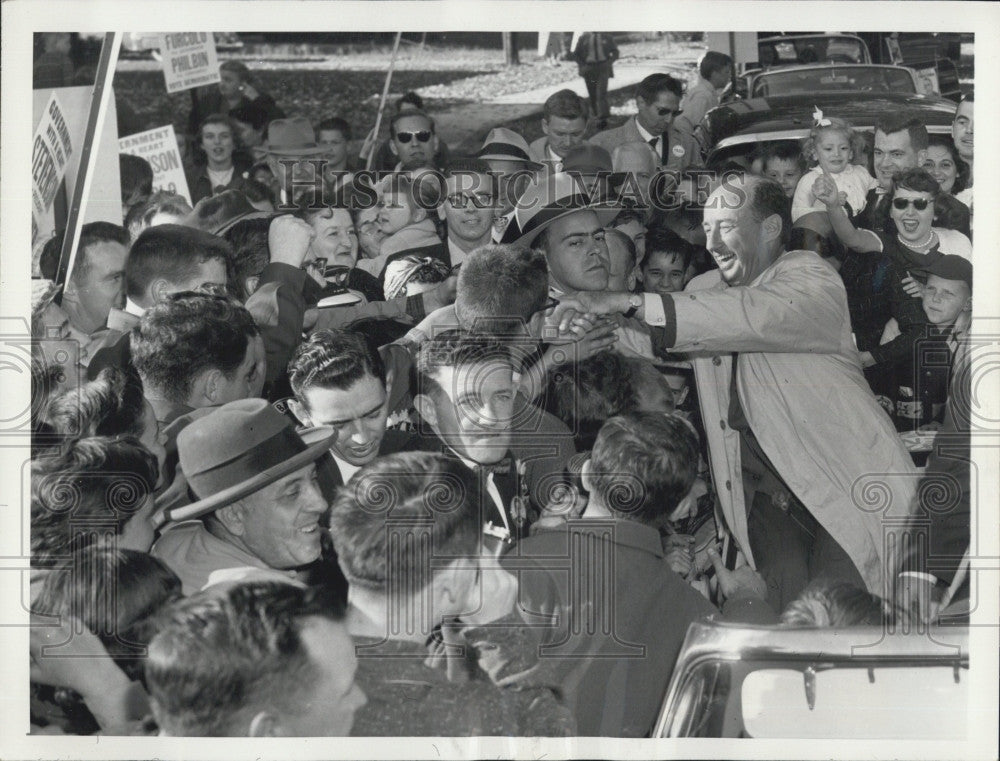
(863,241)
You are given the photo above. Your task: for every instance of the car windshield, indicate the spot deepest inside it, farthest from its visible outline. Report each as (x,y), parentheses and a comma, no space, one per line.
(904,702)
(812,50)
(833,79)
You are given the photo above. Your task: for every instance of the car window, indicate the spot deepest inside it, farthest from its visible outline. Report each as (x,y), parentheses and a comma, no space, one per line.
(833,79)
(812,50)
(904,702)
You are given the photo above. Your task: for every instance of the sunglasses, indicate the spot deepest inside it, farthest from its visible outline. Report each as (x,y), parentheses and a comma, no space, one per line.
(422,136)
(665,111)
(902,203)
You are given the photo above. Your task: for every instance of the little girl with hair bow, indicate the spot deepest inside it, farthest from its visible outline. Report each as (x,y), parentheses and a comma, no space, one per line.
(831,148)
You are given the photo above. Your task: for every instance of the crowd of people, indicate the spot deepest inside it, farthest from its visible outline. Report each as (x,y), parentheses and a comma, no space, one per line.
(325,453)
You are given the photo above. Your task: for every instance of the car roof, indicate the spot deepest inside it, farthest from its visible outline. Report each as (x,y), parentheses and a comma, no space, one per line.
(753,118)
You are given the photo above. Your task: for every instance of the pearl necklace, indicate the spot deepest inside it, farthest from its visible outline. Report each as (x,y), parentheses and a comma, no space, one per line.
(925,244)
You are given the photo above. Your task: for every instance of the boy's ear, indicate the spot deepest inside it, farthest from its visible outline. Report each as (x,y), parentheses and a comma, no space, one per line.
(585,477)
(418,213)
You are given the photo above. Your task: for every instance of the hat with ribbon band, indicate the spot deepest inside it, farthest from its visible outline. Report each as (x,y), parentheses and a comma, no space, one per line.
(552,197)
(238,449)
(506,145)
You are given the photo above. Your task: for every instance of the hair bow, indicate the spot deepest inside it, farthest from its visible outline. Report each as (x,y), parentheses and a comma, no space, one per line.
(820,120)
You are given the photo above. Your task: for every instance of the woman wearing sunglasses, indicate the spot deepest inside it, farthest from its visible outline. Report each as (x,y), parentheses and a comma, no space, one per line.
(912,239)
(879,275)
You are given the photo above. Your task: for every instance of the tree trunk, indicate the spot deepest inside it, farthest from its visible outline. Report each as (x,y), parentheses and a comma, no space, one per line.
(510,56)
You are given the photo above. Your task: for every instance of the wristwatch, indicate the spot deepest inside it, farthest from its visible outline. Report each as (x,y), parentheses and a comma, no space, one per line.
(635,301)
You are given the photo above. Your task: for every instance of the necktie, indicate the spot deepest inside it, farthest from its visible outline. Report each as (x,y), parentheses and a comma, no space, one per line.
(652,143)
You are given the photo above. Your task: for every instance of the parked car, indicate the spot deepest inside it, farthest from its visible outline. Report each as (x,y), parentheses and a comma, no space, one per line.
(732,131)
(855,683)
(803,80)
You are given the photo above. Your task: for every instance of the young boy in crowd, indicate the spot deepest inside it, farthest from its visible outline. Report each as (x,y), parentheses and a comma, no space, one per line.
(783,163)
(947,302)
(664,267)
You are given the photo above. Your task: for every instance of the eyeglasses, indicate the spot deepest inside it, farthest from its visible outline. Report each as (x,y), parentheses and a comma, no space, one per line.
(422,136)
(318,264)
(902,203)
(337,274)
(462,200)
(665,111)
(550,303)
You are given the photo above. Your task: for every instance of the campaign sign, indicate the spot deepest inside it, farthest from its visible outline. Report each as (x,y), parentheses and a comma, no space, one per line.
(51,149)
(159,147)
(189,60)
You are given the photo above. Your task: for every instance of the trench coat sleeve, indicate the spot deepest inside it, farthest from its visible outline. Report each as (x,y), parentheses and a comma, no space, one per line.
(797,309)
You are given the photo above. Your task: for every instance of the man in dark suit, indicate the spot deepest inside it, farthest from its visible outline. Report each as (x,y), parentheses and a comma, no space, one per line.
(595,54)
(901,143)
(658,100)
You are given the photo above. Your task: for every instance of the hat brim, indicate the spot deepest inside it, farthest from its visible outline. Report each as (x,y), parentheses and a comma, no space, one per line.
(317,440)
(528,164)
(278,151)
(512,233)
(255,214)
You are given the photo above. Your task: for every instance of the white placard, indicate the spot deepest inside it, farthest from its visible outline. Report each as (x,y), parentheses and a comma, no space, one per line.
(159,147)
(189,60)
(51,150)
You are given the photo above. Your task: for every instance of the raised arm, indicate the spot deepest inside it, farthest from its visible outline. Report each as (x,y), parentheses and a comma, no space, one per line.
(863,241)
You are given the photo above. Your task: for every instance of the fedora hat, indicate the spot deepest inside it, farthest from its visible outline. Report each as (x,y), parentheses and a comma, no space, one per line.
(238,449)
(548,198)
(292,137)
(506,145)
(216,214)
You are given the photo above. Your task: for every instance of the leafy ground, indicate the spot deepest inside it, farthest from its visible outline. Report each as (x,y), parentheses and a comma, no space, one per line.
(349,85)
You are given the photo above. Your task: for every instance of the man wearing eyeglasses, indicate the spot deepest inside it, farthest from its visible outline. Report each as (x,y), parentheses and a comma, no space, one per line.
(658,99)
(412,139)
(468,207)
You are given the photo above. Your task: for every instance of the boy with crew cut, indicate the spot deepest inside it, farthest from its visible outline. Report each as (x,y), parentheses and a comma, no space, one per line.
(618,662)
